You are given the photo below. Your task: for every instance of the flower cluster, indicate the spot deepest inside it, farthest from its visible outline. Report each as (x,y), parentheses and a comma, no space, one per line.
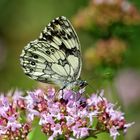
(109,119)
(110,51)
(98,19)
(99,12)
(61,114)
(11,127)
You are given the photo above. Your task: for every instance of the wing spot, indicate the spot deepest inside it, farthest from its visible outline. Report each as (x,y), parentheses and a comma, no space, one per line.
(31,70)
(52,50)
(32,63)
(48,52)
(48,37)
(62,33)
(36,56)
(69,36)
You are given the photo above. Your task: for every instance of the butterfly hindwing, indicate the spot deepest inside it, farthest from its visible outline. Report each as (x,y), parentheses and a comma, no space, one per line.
(55,56)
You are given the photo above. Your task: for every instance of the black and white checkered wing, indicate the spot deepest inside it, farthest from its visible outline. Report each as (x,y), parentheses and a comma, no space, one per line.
(55,56)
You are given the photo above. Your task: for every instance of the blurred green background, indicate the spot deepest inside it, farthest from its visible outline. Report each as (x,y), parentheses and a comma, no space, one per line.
(104,66)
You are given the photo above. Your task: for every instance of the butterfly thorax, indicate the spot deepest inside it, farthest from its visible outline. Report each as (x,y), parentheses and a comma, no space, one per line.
(75,85)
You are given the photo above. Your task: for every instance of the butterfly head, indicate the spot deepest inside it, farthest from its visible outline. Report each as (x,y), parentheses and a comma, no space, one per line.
(81,83)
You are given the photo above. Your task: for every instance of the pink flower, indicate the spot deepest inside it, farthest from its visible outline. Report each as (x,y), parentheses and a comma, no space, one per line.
(45,119)
(114,132)
(56,130)
(79,132)
(71,115)
(126,126)
(10,110)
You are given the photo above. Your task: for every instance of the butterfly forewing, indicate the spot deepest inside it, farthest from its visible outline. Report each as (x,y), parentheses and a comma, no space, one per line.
(55,56)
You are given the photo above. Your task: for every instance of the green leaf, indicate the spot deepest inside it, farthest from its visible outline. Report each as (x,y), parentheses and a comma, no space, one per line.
(36,134)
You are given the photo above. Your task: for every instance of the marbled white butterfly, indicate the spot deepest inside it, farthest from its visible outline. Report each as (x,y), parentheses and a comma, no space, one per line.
(55,57)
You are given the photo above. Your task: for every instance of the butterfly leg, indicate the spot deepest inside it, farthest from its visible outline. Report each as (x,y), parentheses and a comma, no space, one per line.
(62,90)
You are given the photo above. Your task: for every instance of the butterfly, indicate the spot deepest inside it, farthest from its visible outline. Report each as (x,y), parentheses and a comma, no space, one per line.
(55,57)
